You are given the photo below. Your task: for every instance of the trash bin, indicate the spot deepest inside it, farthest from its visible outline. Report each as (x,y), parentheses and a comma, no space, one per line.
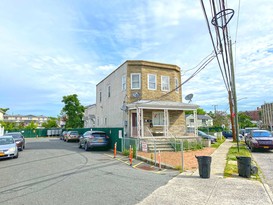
(244,166)
(204,166)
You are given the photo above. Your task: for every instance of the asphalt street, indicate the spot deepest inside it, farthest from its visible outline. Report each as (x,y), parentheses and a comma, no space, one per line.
(264,160)
(50,171)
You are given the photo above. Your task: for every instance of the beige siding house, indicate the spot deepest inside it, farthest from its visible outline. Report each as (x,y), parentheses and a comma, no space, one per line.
(143,97)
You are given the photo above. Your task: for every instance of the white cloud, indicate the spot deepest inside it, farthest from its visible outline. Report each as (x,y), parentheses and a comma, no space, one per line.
(50,49)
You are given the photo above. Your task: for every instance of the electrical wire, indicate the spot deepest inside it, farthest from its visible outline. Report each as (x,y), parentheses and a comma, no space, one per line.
(219,64)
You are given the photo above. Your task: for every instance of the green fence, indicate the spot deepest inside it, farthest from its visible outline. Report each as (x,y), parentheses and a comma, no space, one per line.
(113,134)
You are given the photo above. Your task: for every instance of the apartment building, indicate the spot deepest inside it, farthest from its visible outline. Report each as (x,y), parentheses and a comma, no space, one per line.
(26,119)
(267,115)
(143,97)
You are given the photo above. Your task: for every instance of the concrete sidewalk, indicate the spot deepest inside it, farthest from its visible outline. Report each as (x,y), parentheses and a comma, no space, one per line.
(189,188)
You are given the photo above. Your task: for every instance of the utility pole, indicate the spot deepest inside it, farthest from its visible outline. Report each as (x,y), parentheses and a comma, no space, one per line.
(215,106)
(233,90)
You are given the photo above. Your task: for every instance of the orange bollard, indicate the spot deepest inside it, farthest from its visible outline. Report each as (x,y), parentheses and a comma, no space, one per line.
(159,160)
(115,150)
(130,156)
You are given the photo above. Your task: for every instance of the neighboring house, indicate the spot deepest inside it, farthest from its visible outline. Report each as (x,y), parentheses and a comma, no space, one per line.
(202,121)
(267,115)
(143,97)
(89,116)
(1,115)
(26,119)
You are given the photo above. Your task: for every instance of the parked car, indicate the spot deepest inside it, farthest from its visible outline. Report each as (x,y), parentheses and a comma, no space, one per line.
(72,136)
(92,139)
(228,134)
(64,133)
(259,139)
(8,147)
(206,136)
(19,139)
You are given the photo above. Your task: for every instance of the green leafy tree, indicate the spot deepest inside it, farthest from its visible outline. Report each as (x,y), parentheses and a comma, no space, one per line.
(73,110)
(4,110)
(51,122)
(244,120)
(219,118)
(31,126)
(8,125)
(200,111)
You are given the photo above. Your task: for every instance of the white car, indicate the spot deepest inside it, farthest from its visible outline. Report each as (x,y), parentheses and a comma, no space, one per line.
(8,147)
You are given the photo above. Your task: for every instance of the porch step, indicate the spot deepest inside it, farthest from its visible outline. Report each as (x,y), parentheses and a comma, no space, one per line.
(160,145)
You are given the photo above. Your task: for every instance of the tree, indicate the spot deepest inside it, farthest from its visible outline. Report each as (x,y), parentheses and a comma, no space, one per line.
(73,110)
(200,111)
(51,122)
(8,125)
(219,118)
(31,126)
(4,110)
(244,120)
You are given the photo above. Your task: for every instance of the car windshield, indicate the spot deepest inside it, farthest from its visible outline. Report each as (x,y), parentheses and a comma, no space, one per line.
(261,134)
(4,141)
(74,133)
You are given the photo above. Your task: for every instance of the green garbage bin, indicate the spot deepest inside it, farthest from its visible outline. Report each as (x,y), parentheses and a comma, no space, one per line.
(244,166)
(204,163)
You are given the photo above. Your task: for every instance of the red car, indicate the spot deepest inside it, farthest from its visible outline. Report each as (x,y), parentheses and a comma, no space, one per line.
(259,139)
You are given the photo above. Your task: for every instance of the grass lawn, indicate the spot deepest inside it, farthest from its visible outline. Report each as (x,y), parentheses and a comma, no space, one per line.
(231,168)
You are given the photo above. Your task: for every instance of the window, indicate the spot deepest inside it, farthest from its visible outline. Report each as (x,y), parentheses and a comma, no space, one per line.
(135,81)
(165,83)
(123,83)
(176,84)
(191,120)
(109,91)
(105,121)
(100,96)
(151,82)
(158,118)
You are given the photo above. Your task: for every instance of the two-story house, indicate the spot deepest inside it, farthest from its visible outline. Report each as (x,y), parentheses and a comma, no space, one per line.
(143,97)
(202,121)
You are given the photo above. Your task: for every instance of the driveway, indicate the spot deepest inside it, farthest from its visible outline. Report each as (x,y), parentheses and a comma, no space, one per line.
(50,171)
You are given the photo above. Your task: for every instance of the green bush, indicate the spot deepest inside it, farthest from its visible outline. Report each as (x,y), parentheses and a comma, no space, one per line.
(126,152)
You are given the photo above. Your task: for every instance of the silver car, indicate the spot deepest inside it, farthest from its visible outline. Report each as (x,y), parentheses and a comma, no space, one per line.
(8,147)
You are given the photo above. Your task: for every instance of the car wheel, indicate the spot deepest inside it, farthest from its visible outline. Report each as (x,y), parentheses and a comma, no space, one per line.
(16,156)
(252,149)
(22,148)
(86,148)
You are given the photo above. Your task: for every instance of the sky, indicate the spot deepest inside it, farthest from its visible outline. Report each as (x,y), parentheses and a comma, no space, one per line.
(50,49)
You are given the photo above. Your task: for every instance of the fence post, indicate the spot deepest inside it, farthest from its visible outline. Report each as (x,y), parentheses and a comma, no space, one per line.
(155,151)
(182,155)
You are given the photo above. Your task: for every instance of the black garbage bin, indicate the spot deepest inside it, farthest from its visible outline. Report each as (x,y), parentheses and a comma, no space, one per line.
(244,166)
(204,166)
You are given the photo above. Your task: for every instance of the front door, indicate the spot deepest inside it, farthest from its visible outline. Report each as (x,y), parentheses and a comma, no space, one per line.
(134,124)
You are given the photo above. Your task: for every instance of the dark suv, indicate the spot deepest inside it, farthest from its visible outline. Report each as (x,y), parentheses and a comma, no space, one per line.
(92,139)
(18,138)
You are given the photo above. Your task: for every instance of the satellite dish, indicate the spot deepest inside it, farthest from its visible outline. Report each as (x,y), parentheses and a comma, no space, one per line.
(189,97)
(136,95)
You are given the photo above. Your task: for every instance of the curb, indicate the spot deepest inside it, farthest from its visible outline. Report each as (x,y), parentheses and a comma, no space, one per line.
(149,161)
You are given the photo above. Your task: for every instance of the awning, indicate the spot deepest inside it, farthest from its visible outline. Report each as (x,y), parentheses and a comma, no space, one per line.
(161,105)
